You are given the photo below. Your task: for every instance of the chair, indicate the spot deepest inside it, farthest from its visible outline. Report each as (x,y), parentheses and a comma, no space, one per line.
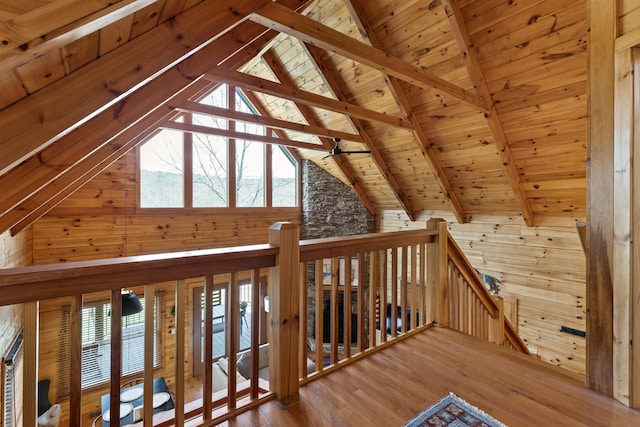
(48,414)
(243,312)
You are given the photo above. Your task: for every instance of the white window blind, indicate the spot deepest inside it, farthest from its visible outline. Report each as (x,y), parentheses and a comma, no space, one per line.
(96,343)
(12,386)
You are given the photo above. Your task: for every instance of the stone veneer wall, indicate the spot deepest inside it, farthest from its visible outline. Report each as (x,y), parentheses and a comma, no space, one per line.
(329,208)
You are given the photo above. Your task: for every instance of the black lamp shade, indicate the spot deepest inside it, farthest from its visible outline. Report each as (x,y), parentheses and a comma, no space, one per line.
(130,304)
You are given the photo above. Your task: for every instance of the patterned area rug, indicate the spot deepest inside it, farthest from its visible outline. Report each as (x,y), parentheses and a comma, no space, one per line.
(455,412)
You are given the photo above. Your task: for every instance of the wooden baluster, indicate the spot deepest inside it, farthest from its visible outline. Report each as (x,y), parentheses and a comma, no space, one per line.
(231,335)
(413,321)
(116,354)
(334,311)
(346,332)
(207,389)
(404,300)
(181,304)
(255,325)
(75,368)
(383,295)
(394,292)
(318,314)
(30,364)
(149,334)
(373,291)
(361,301)
(304,314)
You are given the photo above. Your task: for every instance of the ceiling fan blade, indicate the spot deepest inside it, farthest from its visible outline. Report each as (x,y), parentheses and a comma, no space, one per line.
(355,152)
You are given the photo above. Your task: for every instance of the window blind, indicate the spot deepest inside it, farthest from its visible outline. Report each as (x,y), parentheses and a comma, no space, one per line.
(96,343)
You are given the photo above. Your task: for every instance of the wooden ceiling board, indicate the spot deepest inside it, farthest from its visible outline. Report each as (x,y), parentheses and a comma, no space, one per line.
(42,71)
(11,89)
(496,18)
(380,11)
(171,8)
(146,19)
(417,26)
(115,35)
(80,52)
(522,42)
(11,8)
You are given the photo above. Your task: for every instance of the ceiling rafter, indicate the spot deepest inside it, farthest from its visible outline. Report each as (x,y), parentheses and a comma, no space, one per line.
(225,133)
(357,12)
(472,63)
(62,157)
(258,84)
(377,157)
(194,107)
(58,38)
(49,17)
(276,67)
(104,139)
(296,25)
(38,120)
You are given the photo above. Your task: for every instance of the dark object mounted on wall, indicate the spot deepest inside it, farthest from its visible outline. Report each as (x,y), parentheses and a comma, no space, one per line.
(572,331)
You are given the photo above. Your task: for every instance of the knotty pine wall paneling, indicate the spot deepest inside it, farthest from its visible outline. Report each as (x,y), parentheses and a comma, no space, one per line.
(542,268)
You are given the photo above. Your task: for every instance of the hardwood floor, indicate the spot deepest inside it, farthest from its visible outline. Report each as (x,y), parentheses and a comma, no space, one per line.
(393,385)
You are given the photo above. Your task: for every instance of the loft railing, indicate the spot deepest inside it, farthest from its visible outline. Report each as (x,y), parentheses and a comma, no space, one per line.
(368,291)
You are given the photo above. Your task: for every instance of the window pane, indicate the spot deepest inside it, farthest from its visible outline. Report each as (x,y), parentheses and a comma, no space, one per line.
(96,342)
(161,171)
(285,190)
(210,187)
(249,174)
(217,98)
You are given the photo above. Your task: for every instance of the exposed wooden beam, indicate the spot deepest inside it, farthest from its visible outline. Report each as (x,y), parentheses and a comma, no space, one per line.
(60,158)
(257,84)
(277,68)
(194,107)
(472,62)
(91,148)
(38,120)
(60,37)
(378,159)
(50,16)
(312,32)
(430,155)
(186,127)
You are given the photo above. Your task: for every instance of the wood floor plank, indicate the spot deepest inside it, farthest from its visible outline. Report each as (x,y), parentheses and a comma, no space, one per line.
(393,385)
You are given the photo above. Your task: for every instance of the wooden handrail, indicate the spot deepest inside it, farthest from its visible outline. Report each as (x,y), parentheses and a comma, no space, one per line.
(80,277)
(339,246)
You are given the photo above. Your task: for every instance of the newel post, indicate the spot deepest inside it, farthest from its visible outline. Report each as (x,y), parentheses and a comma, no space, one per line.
(284,313)
(437,272)
(496,325)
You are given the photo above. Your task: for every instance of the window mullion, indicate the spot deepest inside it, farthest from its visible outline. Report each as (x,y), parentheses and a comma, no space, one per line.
(231,152)
(268,172)
(188,163)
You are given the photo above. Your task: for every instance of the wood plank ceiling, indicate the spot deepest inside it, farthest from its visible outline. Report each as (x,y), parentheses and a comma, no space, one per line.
(470,106)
